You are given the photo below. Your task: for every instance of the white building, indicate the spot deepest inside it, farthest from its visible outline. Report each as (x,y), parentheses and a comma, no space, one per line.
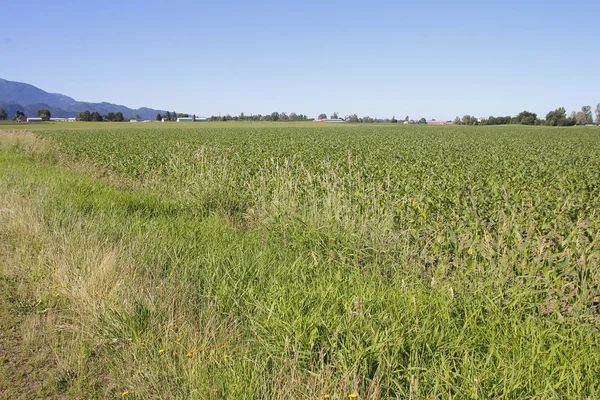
(35,119)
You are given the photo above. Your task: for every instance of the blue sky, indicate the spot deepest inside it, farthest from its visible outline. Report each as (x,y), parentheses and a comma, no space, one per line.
(432,59)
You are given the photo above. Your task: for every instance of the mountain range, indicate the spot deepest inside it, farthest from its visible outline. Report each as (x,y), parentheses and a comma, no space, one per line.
(18,96)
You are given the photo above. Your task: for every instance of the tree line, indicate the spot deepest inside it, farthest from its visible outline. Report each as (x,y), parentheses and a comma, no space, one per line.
(556,117)
(274,116)
(95,116)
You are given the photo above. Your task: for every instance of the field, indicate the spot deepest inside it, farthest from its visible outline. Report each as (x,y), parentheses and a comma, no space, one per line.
(301,260)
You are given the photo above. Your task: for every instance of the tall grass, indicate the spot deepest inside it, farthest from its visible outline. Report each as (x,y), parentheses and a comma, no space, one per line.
(298,262)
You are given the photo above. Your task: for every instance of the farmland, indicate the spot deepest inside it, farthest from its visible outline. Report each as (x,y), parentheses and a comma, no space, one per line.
(304,260)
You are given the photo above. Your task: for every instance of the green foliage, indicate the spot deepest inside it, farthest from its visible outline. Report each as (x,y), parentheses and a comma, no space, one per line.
(558,117)
(84,116)
(3,114)
(18,114)
(526,118)
(43,114)
(467,120)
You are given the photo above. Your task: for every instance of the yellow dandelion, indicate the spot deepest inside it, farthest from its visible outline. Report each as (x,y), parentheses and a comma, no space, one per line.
(223,346)
(193,371)
(125,393)
(215,390)
(189,354)
(226,356)
(352,396)
(161,351)
(57,294)
(178,340)
(326,396)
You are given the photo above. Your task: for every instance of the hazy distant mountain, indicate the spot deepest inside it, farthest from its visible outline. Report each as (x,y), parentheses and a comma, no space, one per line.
(28,98)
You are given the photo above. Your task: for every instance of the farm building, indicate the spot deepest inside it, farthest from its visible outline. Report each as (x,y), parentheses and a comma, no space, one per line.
(34,119)
(439,122)
(185,119)
(59,119)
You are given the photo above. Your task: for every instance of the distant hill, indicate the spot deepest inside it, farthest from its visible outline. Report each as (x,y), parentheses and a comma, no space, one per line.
(28,98)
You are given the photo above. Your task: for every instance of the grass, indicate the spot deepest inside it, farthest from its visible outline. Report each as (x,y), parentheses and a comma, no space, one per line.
(254,261)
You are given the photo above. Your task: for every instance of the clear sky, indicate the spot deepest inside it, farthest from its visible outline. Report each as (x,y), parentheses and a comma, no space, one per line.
(432,59)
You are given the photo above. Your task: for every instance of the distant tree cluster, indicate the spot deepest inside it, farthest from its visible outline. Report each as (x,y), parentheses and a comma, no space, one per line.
(355,119)
(274,116)
(86,116)
(556,117)
(3,114)
(43,114)
(170,116)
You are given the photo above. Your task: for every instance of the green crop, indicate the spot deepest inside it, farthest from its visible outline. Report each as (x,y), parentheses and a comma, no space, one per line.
(388,261)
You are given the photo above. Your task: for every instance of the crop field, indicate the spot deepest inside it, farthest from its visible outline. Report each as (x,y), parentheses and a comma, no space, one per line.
(267,260)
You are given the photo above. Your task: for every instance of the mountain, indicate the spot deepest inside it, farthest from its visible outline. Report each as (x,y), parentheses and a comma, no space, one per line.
(28,98)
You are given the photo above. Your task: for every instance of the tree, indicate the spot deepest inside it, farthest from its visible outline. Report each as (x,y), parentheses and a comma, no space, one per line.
(526,118)
(334,115)
(557,117)
(18,114)
(158,117)
(577,117)
(469,120)
(322,116)
(457,121)
(84,116)
(597,112)
(406,118)
(43,114)
(119,117)
(587,114)
(173,116)
(422,121)
(393,120)
(137,117)
(96,117)
(4,115)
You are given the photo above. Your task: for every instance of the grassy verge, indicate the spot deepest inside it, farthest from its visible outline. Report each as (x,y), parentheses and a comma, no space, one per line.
(142,294)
